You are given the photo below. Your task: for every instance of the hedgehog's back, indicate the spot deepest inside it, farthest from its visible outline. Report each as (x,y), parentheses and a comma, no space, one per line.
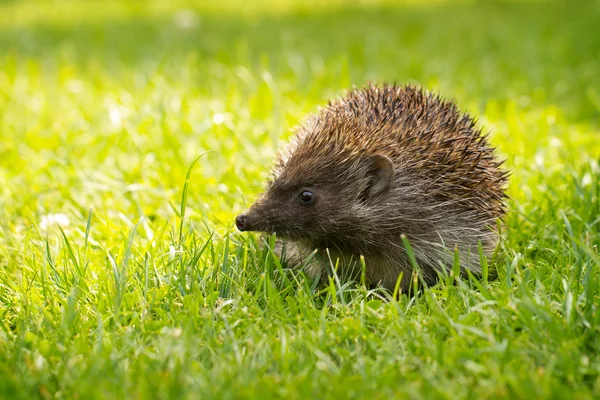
(422,134)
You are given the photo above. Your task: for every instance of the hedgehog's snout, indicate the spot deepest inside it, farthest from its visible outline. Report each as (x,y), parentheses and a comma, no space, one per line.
(241,221)
(252,219)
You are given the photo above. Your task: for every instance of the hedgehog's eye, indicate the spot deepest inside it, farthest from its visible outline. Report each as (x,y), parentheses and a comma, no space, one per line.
(307,196)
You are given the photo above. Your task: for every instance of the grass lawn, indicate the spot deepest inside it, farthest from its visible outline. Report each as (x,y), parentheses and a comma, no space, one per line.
(121,278)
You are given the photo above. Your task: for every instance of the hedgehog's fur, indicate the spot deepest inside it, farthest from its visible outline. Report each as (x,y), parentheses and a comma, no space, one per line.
(382,162)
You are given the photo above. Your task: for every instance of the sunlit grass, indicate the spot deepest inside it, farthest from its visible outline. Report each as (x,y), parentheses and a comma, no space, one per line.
(121,274)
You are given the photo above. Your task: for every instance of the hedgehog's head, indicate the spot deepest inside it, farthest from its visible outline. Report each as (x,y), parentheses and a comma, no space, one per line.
(318,199)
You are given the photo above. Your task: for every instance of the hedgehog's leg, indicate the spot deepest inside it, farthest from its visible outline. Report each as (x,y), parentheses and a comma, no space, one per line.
(387,272)
(297,255)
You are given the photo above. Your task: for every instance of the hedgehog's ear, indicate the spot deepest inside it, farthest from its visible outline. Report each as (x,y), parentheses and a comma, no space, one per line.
(381,171)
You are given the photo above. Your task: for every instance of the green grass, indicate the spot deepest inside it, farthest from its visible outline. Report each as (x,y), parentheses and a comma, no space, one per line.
(149,292)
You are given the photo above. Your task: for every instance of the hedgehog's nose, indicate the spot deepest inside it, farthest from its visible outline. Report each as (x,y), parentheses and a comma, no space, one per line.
(241,221)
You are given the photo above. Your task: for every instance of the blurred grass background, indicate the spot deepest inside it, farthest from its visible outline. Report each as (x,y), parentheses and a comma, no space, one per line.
(105,105)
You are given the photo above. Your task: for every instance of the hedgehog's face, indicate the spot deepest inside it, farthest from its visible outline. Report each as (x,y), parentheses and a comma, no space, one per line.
(294,211)
(300,204)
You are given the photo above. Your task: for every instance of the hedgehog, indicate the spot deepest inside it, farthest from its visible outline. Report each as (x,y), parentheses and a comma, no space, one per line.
(382,166)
